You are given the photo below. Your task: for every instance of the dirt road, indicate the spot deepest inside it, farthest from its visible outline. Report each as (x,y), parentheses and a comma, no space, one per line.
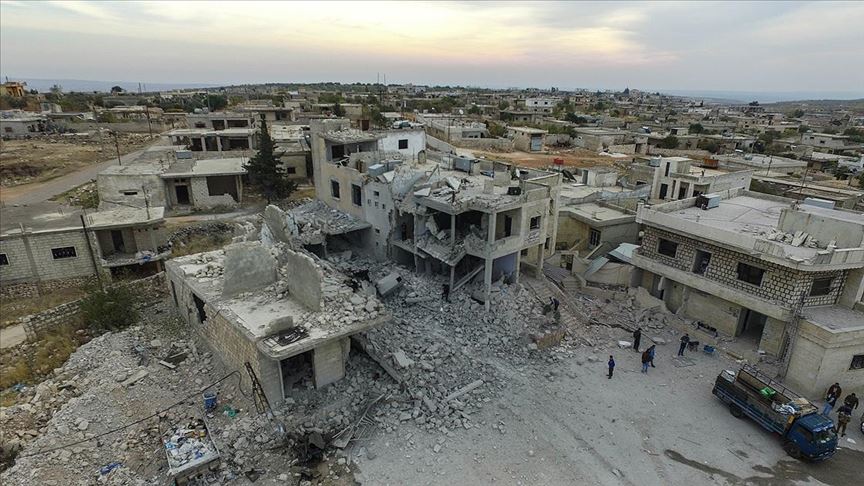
(12,336)
(43,191)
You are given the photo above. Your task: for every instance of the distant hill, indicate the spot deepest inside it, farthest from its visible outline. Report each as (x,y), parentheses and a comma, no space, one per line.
(88,85)
(764,96)
(819,105)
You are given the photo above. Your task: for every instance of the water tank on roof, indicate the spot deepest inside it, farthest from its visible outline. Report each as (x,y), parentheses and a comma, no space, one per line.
(463,164)
(708,201)
(376,170)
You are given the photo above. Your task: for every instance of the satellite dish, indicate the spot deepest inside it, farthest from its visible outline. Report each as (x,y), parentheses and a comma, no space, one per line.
(461,112)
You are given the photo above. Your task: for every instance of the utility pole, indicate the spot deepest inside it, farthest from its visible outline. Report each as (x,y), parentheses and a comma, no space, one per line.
(147,113)
(117,146)
(770,159)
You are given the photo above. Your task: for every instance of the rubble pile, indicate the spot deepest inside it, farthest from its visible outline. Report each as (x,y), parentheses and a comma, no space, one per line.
(798,238)
(111,381)
(214,229)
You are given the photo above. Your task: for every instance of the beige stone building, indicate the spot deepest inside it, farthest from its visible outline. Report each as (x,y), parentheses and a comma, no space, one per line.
(787,277)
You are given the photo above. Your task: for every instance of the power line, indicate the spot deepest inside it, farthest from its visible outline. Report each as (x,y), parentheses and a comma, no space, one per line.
(117,429)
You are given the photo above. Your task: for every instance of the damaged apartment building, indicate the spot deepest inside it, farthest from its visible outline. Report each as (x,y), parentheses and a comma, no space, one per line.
(459,217)
(786,276)
(217,132)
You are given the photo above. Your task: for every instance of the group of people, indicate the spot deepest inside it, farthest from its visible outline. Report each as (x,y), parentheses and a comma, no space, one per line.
(648,354)
(844,413)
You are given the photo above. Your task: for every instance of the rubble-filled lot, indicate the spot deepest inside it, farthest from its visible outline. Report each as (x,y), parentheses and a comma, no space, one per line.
(463,396)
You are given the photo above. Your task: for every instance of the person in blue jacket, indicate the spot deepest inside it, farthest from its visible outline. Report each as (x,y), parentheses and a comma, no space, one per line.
(611,366)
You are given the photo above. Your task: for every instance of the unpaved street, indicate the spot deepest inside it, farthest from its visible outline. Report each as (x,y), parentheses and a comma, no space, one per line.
(578,427)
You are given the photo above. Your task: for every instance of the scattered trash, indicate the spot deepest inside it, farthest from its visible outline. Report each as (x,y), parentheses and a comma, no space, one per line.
(209,401)
(110,467)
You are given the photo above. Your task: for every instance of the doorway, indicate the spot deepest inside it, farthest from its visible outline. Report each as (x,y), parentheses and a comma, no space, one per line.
(182,195)
(751,324)
(117,241)
(297,372)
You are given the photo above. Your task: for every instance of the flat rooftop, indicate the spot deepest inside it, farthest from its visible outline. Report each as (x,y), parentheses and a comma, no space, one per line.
(759,160)
(46,216)
(206,167)
(749,215)
(596,212)
(834,317)
(579,191)
(122,217)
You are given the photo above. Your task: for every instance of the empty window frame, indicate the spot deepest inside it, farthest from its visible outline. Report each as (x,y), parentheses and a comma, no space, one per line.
(290,170)
(535,223)
(356,195)
(857,362)
(750,274)
(63,252)
(334,189)
(593,238)
(667,248)
(821,286)
(4,260)
(403,144)
(700,264)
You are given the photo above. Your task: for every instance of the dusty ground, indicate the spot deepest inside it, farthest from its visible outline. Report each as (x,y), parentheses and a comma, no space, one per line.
(574,157)
(41,159)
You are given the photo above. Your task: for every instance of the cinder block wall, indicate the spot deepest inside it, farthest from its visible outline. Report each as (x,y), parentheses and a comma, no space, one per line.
(780,284)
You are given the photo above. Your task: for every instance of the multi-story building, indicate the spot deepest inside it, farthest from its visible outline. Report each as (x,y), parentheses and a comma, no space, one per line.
(217,132)
(674,178)
(458,216)
(762,268)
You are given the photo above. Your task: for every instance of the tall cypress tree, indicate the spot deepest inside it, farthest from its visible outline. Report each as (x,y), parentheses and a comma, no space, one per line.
(265,171)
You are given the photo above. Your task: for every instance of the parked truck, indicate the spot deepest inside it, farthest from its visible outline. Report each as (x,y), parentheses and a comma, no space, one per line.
(806,433)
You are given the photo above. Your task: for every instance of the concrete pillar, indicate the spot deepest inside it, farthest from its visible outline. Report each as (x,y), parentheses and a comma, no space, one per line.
(853,289)
(487,274)
(218,144)
(327,363)
(518,266)
(203,144)
(540,255)
(452,276)
(452,230)
(690,190)
(239,183)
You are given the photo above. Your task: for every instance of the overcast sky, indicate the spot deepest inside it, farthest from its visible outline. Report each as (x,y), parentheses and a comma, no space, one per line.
(771,46)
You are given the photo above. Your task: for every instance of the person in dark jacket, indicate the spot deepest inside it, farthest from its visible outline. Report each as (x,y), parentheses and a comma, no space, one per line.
(637,337)
(685,340)
(611,366)
(646,360)
(651,352)
(831,397)
(844,415)
(851,401)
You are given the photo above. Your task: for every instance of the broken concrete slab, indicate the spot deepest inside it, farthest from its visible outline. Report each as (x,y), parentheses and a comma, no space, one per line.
(389,284)
(248,266)
(136,377)
(401,359)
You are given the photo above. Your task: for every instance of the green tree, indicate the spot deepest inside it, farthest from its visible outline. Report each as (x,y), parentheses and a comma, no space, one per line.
(696,128)
(338,110)
(803,129)
(796,113)
(265,170)
(117,90)
(111,309)
(503,105)
(574,118)
(378,119)
(217,102)
(474,110)
(855,134)
(861,179)
(670,142)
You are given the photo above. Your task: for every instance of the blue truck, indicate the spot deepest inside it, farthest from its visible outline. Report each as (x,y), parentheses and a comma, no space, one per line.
(806,434)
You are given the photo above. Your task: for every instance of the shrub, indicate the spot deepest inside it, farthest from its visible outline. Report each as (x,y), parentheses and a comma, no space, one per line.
(111,309)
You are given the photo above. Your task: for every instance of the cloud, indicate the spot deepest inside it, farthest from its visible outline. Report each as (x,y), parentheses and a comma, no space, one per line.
(698,45)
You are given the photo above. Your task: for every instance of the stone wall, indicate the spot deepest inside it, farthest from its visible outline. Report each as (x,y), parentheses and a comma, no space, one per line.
(46,266)
(31,289)
(781,285)
(146,290)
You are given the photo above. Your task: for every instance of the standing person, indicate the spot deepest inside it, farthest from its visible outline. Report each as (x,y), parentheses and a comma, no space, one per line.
(685,340)
(555,304)
(646,359)
(445,290)
(851,401)
(637,337)
(844,415)
(611,366)
(651,352)
(831,397)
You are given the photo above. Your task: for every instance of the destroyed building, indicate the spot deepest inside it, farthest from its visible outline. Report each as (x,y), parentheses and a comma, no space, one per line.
(458,217)
(285,312)
(787,277)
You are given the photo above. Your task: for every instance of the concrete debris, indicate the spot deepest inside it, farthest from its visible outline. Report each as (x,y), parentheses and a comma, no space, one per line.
(401,359)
